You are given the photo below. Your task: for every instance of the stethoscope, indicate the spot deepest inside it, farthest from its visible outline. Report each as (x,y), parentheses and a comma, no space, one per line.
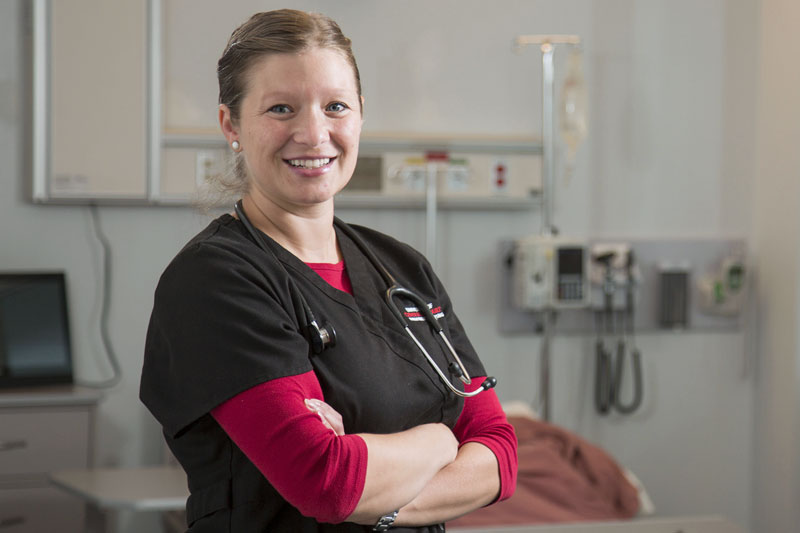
(322,336)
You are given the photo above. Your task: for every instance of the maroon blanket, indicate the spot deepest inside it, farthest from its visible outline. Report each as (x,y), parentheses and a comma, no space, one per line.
(562,478)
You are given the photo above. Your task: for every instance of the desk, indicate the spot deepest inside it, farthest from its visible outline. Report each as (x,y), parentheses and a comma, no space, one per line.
(107,490)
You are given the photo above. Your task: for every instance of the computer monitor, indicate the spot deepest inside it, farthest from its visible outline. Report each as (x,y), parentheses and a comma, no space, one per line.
(35,346)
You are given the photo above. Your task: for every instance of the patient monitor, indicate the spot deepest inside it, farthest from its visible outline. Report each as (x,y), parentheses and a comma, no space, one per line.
(550,272)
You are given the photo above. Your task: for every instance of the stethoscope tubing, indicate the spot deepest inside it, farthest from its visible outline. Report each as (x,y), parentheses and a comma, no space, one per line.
(394,289)
(432,321)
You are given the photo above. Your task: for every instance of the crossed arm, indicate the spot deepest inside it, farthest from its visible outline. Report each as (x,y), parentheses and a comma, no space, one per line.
(358,478)
(447,483)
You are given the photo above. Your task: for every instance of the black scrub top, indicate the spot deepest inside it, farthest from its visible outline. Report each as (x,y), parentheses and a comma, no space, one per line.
(224,320)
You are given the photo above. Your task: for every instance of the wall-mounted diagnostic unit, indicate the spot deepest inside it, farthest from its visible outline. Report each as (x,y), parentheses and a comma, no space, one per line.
(659,284)
(465,171)
(550,273)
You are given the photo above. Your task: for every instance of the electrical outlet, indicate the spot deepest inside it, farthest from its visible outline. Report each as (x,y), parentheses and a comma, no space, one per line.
(208,166)
(457,176)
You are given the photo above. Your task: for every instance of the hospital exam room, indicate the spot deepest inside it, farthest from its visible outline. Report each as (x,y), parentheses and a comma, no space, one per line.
(608,189)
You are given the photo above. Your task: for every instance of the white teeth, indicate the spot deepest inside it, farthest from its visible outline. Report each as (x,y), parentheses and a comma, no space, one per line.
(309,163)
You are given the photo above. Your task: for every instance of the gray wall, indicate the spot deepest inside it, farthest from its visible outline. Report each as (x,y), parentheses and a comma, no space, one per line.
(670,154)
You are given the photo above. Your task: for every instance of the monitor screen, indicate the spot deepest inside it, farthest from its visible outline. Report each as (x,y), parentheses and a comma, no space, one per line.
(570,260)
(34,329)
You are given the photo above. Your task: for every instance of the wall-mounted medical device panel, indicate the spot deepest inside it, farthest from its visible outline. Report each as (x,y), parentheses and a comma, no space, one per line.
(549,273)
(468,171)
(474,175)
(698,284)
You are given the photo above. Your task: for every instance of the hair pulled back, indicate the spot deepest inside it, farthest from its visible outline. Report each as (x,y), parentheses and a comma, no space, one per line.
(275,32)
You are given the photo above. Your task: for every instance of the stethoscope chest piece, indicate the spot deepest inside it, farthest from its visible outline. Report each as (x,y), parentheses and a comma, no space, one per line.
(321,337)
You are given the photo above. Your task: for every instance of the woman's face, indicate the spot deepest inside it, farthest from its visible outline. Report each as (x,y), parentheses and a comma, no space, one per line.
(299,126)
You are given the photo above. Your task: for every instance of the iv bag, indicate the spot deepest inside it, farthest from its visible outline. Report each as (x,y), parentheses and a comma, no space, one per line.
(573,107)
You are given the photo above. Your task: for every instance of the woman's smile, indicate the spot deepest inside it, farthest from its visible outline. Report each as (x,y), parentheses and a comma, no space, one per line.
(311,163)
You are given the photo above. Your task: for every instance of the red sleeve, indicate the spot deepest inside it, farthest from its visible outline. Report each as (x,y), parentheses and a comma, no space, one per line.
(316,471)
(484,421)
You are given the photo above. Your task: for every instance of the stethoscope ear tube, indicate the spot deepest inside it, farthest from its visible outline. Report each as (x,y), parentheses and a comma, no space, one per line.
(488,383)
(456,366)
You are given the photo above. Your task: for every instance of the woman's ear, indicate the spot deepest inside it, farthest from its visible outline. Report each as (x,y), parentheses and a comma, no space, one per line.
(226,124)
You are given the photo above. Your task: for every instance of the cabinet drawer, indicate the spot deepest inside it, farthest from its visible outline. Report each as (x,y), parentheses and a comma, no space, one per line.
(34,442)
(40,510)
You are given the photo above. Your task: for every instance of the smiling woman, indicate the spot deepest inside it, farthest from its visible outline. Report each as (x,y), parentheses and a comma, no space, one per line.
(283,423)
(298,139)
(266,34)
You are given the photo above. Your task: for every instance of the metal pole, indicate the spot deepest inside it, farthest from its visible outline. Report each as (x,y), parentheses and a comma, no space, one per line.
(547,214)
(154,94)
(547,138)
(40,189)
(546,45)
(430,213)
(544,365)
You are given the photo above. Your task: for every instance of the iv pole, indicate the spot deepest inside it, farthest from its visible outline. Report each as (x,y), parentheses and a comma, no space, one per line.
(547,46)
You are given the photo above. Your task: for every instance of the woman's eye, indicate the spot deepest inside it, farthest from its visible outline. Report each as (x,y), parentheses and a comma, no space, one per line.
(280,109)
(336,107)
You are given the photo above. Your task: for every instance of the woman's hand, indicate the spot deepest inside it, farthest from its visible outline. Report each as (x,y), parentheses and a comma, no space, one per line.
(331,419)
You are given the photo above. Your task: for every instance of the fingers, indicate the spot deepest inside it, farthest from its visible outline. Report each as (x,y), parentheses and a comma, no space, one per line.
(331,419)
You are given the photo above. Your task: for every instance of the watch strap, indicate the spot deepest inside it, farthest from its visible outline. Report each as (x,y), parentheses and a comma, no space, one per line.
(386,521)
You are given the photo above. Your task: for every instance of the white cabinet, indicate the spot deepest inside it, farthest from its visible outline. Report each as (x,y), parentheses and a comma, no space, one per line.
(43,430)
(36,510)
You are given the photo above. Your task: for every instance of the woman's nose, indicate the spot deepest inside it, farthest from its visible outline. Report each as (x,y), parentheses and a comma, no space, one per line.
(312,128)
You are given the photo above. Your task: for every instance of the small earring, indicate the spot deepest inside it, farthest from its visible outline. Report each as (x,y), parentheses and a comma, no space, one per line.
(235,145)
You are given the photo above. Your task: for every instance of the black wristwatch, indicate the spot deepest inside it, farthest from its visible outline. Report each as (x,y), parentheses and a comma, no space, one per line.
(385,522)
